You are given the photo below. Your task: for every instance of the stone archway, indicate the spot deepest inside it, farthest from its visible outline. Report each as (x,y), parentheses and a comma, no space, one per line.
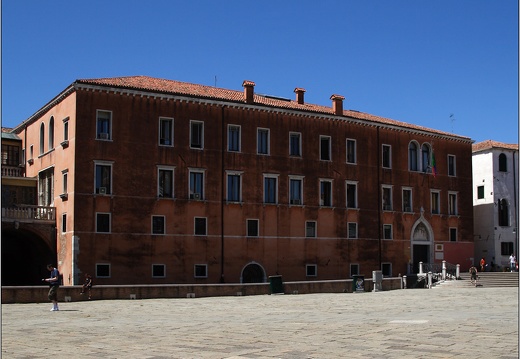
(24,256)
(253,273)
(421,243)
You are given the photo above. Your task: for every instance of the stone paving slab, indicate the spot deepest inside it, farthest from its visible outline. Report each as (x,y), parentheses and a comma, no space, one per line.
(447,322)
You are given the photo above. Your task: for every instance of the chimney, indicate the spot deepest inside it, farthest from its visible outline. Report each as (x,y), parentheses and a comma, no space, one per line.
(337,104)
(299,95)
(249,91)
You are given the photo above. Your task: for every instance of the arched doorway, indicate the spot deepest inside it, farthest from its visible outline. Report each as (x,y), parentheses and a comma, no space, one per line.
(422,239)
(253,273)
(24,257)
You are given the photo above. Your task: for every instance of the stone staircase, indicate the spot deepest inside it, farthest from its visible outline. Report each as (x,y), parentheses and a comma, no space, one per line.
(486,280)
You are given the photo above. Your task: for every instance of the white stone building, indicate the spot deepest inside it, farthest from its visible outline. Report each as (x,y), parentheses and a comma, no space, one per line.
(495,202)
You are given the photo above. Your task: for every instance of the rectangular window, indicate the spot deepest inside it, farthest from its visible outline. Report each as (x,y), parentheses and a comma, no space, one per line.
(387,198)
(295,191)
(196,184)
(271,189)
(201,226)
(387,231)
(295,144)
(158,271)
(200,270)
(65,176)
(102,222)
(252,227)
(386,268)
(233,138)
(352,230)
(102,270)
(480,192)
(234,187)
(351,194)
(387,156)
(197,135)
(506,248)
(31,152)
(104,125)
(310,229)
(165,131)
(66,129)
(64,223)
(262,141)
(351,151)
(453,234)
(325,148)
(103,180)
(326,193)
(158,224)
(311,270)
(407,200)
(354,269)
(452,204)
(435,202)
(451,166)
(165,182)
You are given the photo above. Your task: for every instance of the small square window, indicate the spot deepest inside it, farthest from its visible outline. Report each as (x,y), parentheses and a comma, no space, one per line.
(480,192)
(200,226)
(158,224)
(387,231)
(158,270)
(310,229)
(354,269)
(311,270)
(453,234)
(252,227)
(103,270)
(201,270)
(352,230)
(102,222)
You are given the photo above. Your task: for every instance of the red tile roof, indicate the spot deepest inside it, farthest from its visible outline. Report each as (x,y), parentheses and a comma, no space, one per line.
(157,85)
(489,144)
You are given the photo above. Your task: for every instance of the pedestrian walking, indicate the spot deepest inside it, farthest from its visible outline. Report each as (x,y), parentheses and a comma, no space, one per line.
(54,283)
(512,262)
(482,264)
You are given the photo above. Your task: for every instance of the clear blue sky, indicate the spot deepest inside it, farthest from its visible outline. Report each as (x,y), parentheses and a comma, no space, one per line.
(450,65)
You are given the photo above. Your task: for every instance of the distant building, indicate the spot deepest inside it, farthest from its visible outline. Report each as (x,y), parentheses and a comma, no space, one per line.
(159,181)
(495,207)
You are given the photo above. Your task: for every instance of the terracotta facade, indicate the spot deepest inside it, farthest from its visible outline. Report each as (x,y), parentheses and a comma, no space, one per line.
(168,186)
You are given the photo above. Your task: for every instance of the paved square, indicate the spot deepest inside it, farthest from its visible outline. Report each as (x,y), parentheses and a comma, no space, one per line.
(444,322)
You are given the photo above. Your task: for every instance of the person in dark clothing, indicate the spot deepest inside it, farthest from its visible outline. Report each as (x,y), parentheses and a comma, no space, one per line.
(54,283)
(87,285)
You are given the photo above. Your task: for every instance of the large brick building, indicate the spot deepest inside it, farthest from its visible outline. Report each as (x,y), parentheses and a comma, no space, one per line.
(159,181)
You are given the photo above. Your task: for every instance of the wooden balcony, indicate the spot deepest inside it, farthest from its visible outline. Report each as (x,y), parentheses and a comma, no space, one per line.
(29,213)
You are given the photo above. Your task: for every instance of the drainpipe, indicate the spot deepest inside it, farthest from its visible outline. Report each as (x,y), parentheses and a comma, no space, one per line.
(222,194)
(379,201)
(516,213)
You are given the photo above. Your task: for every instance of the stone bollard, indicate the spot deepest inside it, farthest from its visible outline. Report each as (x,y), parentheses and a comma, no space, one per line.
(403,282)
(420,268)
(443,270)
(457,272)
(430,280)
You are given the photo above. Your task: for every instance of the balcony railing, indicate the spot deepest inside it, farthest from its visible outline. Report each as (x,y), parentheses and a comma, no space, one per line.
(11,171)
(29,213)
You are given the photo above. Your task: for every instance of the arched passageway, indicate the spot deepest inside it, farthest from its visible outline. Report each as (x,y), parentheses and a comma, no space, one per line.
(253,273)
(24,257)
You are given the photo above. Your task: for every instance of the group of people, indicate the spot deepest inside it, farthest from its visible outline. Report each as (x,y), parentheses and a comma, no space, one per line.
(513,264)
(54,284)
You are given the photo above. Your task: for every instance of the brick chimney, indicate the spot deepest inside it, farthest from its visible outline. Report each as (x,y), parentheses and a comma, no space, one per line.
(249,91)
(337,104)
(299,95)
